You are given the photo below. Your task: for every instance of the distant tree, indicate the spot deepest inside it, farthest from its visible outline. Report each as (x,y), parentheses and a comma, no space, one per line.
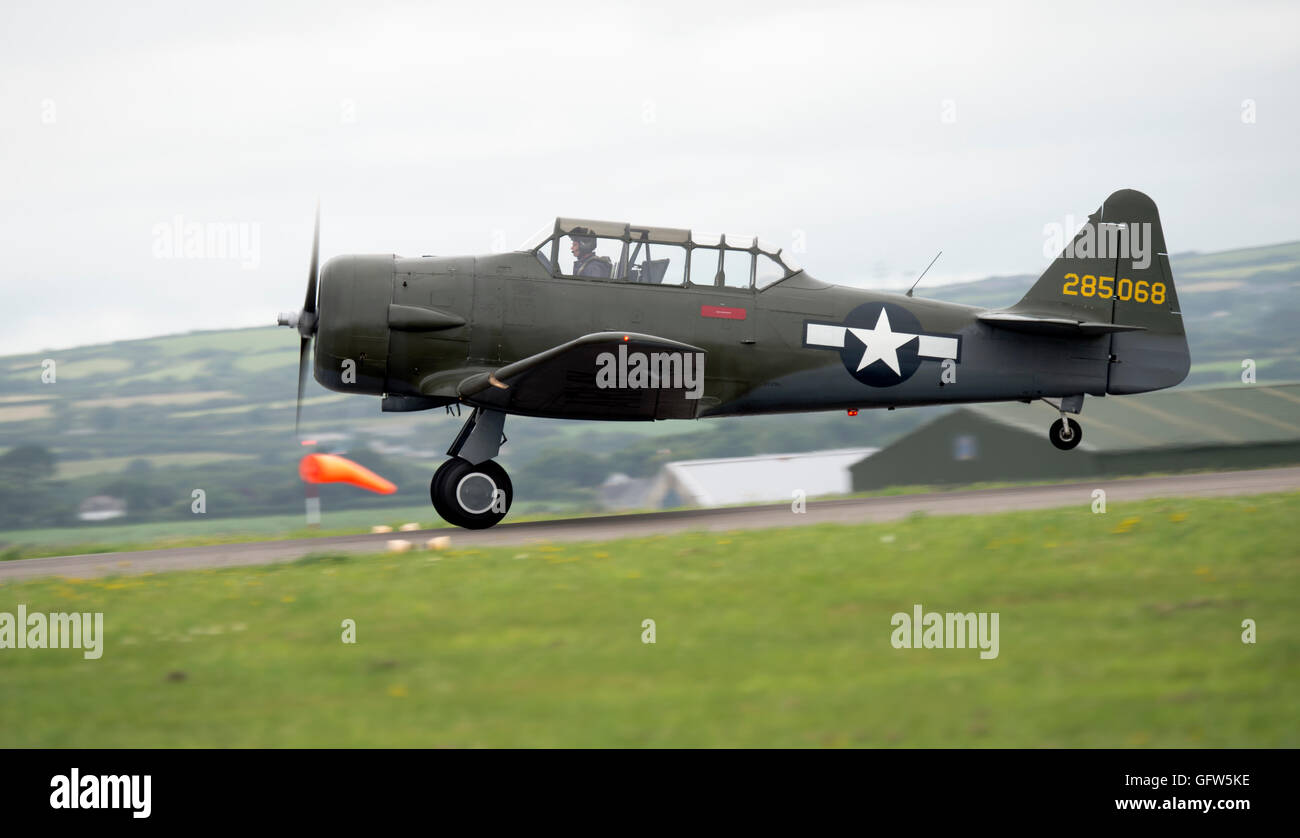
(28,462)
(565,467)
(141,497)
(29,496)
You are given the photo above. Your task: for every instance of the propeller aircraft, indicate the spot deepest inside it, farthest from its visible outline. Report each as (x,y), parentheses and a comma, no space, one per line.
(613,321)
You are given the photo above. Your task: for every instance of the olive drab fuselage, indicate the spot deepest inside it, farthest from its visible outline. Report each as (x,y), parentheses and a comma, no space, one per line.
(680,324)
(758,359)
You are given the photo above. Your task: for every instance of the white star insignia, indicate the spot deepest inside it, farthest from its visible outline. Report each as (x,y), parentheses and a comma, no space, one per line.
(882,344)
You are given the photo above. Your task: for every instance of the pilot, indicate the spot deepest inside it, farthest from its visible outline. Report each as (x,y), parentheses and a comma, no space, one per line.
(586,262)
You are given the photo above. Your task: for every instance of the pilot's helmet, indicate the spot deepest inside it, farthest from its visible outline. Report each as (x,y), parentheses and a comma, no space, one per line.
(585,239)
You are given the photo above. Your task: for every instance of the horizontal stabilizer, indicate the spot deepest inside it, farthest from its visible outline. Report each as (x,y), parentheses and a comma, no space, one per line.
(1059,326)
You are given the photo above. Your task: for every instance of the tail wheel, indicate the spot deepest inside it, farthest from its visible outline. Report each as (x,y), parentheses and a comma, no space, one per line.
(471,496)
(1065,433)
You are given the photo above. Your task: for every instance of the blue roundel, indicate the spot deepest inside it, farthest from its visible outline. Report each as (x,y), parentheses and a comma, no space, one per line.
(881,344)
(875,340)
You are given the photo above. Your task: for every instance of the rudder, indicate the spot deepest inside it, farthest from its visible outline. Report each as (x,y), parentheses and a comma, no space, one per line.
(1116,270)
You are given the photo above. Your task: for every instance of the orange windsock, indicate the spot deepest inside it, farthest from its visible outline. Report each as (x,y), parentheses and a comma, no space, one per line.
(331,468)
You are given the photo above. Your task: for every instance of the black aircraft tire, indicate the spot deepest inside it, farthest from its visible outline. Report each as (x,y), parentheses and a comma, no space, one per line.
(1064,439)
(464,494)
(437,496)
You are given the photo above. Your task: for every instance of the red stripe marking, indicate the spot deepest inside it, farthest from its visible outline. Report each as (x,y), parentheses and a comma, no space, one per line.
(722,312)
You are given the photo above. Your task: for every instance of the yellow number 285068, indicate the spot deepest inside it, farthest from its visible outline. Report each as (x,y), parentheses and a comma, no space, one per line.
(1106,287)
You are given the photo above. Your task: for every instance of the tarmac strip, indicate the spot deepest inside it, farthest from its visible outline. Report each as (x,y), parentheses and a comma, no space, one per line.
(610,527)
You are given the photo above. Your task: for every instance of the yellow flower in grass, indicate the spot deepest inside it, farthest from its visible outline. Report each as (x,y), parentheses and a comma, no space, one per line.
(1127,525)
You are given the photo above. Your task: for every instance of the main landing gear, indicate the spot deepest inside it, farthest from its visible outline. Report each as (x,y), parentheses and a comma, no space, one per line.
(1065,433)
(470,490)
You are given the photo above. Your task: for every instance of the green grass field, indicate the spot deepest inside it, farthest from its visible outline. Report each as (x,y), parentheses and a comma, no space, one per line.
(1121,629)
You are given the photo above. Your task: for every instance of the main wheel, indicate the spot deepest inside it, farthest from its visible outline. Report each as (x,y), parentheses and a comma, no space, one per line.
(471,496)
(1065,433)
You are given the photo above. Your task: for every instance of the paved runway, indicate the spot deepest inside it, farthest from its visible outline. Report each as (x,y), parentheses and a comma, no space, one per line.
(604,528)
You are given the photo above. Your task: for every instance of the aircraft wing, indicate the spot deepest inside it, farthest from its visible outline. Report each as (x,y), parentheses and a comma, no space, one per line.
(597,376)
(1054,326)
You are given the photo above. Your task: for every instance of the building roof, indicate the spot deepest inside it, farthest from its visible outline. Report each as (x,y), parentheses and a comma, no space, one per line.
(1185,417)
(768,477)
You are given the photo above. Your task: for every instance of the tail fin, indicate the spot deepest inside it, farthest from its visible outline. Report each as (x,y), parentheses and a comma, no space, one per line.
(1116,271)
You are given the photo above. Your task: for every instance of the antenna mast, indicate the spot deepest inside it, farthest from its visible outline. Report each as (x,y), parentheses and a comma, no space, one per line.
(924,272)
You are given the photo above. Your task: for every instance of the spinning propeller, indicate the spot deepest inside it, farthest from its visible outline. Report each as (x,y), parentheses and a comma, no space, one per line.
(305,321)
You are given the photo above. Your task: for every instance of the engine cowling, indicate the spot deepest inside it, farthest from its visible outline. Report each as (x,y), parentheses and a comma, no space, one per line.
(352,323)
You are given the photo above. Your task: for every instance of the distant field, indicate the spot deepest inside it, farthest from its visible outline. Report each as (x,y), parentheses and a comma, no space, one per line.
(236,340)
(1115,630)
(1230,274)
(193,397)
(273,405)
(1231,366)
(24,412)
(1269,256)
(68,469)
(267,360)
(85,368)
(177,370)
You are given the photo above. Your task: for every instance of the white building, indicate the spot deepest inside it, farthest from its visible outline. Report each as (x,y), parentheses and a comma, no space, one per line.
(766,478)
(101,508)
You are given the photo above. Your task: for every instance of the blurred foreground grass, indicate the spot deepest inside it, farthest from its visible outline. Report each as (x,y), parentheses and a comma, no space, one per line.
(1122,629)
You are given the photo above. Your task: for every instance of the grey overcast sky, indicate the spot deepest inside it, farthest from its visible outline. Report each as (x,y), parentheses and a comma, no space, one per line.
(871,135)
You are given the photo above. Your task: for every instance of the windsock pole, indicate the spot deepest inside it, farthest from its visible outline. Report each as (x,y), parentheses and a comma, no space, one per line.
(312,492)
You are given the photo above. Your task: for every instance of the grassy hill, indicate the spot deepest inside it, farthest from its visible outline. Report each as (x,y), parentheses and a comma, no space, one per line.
(152,420)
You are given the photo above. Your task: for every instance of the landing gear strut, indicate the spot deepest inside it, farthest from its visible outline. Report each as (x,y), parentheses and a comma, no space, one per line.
(1065,433)
(470,490)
